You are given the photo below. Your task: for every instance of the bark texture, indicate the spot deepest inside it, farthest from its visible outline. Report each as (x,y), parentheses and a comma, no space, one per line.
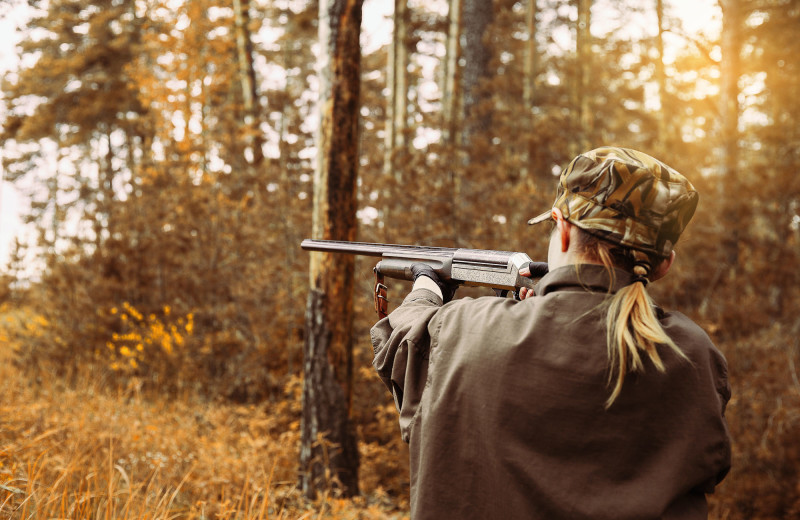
(329,455)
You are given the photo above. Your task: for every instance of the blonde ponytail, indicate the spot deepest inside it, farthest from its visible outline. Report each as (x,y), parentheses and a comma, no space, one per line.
(631,323)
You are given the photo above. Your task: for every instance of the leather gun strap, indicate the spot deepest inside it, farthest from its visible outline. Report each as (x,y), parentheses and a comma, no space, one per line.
(380,296)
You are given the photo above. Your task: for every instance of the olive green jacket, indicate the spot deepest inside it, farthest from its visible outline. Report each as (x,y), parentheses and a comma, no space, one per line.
(502,403)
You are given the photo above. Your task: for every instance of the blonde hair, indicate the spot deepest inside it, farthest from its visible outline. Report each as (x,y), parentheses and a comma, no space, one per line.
(631,322)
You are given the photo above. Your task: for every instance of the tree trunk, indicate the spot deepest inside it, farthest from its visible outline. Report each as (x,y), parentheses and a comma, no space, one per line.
(529,80)
(727,144)
(391,86)
(583,47)
(247,79)
(295,280)
(478,15)
(529,83)
(328,452)
(730,71)
(475,55)
(397,81)
(450,97)
(732,21)
(662,139)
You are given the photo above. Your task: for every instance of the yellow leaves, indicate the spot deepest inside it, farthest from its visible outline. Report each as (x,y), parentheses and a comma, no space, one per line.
(147,341)
(35,326)
(22,328)
(189,327)
(41,321)
(133,312)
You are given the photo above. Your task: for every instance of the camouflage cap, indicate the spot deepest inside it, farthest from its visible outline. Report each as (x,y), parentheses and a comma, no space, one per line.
(626,197)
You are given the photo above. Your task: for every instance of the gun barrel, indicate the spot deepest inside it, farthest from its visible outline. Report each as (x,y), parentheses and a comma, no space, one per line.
(369,249)
(475,267)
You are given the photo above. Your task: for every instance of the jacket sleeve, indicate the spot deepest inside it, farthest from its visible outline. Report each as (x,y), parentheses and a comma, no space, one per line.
(402,343)
(723,388)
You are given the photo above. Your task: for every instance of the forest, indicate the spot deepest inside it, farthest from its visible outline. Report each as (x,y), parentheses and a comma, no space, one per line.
(159,324)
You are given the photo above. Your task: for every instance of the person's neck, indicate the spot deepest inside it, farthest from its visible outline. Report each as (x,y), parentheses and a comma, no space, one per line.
(565,249)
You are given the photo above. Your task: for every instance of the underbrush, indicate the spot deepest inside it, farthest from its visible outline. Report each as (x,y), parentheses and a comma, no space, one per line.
(764,420)
(86,451)
(105,444)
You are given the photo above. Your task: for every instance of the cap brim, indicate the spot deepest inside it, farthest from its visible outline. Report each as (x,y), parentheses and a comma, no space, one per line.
(547,215)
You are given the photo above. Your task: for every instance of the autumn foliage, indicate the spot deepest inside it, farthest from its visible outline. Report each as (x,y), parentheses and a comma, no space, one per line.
(152,313)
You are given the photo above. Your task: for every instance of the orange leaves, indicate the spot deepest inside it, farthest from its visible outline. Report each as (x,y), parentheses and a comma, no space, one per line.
(148,342)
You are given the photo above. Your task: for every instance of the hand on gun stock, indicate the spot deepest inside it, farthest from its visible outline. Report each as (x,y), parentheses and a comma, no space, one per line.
(448,288)
(532,270)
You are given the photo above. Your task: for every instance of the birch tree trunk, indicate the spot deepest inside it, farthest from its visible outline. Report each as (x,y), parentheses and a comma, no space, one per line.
(328,451)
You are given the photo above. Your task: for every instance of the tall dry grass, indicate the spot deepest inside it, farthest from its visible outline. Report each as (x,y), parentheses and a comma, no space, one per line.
(85,451)
(94,450)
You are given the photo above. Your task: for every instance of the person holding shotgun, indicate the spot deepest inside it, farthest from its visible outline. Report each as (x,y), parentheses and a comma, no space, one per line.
(582,400)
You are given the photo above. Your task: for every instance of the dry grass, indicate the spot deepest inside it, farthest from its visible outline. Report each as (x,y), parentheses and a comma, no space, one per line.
(85,452)
(88,451)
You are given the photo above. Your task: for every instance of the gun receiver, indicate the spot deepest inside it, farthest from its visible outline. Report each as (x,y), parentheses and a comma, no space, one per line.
(473,267)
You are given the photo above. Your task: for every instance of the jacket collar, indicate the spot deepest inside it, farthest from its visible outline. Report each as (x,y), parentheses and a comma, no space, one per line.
(583,277)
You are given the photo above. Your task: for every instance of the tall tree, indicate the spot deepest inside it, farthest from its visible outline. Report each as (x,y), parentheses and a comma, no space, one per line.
(397,82)
(478,14)
(328,445)
(661,146)
(729,110)
(289,108)
(583,67)
(247,80)
(529,79)
(84,101)
(732,20)
(474,115)
(531,56)
(450,97)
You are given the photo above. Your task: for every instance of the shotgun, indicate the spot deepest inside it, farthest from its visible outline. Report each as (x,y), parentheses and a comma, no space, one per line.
(473,267)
